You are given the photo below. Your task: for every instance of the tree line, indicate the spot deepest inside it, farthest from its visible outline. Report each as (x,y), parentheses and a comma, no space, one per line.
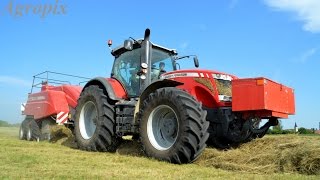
(279,130)
(6,124)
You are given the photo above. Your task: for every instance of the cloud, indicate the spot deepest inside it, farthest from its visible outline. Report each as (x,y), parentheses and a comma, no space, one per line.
(14,81)
(305,56)
(307,11)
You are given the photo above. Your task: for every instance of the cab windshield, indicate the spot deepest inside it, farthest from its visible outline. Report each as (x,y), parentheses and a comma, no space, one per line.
(161,63)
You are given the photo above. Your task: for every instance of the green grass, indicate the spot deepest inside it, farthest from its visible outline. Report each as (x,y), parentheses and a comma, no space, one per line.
(38,160)
(316,135)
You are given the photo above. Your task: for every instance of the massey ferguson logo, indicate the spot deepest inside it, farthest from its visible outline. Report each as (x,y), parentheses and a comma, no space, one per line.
(175,75)
(169,76)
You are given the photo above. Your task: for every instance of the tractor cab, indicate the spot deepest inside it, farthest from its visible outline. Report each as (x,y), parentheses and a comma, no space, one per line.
(128,70)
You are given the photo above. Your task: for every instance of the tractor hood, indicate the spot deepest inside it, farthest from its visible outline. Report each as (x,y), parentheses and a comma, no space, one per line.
(212,88)
(198,73)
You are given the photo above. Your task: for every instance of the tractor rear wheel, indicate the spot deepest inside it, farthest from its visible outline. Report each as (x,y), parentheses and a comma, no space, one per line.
(173,126)
(95,121)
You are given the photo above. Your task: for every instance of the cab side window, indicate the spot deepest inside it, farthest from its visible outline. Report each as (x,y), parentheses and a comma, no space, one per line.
(125,70)
(160,67)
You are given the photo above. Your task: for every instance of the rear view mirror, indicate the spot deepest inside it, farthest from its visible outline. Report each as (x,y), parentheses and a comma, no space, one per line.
(128,44)
(196,61)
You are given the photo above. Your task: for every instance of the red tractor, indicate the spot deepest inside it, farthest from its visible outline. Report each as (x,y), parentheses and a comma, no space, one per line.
(173,113)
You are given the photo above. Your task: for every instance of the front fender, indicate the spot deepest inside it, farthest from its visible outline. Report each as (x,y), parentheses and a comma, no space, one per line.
(201,88)
(156,85)
(151,88)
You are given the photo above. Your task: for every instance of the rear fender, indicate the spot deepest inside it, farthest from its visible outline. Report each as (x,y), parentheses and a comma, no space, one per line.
(112,87)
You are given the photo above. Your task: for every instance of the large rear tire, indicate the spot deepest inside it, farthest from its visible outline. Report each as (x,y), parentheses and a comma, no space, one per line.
(95,121)
(172,126)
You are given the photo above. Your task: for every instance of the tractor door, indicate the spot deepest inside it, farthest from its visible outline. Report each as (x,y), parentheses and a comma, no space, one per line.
(125,69)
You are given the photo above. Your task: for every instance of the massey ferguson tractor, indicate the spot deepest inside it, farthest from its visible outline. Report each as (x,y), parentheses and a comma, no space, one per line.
(174,114)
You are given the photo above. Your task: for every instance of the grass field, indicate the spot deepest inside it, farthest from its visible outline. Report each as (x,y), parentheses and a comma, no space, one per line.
(44,160)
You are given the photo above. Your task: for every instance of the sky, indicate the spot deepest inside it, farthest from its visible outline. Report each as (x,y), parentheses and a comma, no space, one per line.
(277,39)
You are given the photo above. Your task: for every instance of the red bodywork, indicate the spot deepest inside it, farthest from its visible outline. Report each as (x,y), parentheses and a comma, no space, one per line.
(262,97)
(257,97)
(118,89)
(52,100)
(200,84)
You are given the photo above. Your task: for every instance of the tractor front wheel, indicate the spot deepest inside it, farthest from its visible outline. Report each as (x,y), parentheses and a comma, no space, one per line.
(173,126)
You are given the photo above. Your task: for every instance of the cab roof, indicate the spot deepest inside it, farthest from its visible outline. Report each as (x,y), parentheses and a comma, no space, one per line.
(120,49)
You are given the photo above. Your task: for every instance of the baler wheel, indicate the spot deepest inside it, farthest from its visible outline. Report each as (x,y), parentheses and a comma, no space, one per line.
(95,121)
(22,133)
(172,126)
(46,125)
(33,130)
(23,130)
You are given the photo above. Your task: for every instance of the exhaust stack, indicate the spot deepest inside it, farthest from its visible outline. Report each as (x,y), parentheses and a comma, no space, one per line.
(146,56)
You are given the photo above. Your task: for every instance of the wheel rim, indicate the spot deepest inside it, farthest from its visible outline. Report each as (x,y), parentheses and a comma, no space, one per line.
(88,120)
(21,134)
(49,136)
(162,127)
(29,135)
